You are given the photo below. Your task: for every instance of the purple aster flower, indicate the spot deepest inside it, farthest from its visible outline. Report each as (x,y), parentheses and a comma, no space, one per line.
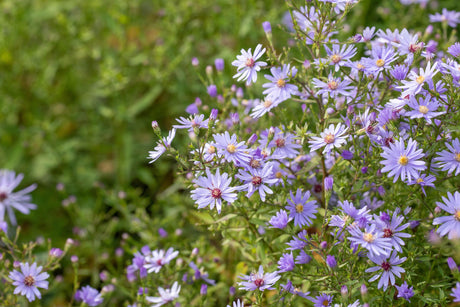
(264,107)
(89,296)
(284,144)
(423,181)
(330,261)
(302,258)
(423,108)
(449,160)
(414,86)
(454,50)
(219,63)
(408,44)
(333,87)
(381,58)
(299,242)
(280,220)
(259,280)
(28,280)
(452,265)
(200,274)
(350,214)
(452,18)
(322,300)
(339,56)
(401,161)
(400,72)
(237,303)
(286,263)
(371,239)
(161,146)
(257,180)
(301,210)
(9,200)
(392,229)
(138,264)
(195,121)
(279,88)
(247,64)
(166,295)
(405,292)
(158,258)
(331,137)
(213,189)
(288,287)
(230,149)
(389,268)
(456,292)
(450,224)
(368,34)
(212,90)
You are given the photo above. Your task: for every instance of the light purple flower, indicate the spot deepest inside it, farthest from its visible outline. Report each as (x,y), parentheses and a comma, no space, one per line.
(456,292)
(166,295)
(450,224)
(423,108)
(454,50)
(371,239)
(247,64)
(280,220)
(333,86)
(404,291)
(279,88)
(388,268)
(9,200)
(301,210)
(452,18)
(230,149)
(449,160)
(322,300)
(259,280)
(237,303)
(332,137)
(401,161)
(89,296)
(213,189)
(162,145)
(28,280)
(392,230)
(340,54)
(286,262)
(264,107)
(414,86)
(158,258)
(257,180)
(194,121)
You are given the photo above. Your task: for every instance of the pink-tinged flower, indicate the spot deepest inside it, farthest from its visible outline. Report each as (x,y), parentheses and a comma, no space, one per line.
(212,190)
(194,121)
(279,88)
(401,161)
(247,64)
(392,229)
(414,86)
(158,258)
(450,224)
(330,138)
(257,179)
(449,160)
(89,296)
(166,295)
(423,108)
(9,200)
(162,145)
(28,280)
(388,268)
(259,280)
(301,210)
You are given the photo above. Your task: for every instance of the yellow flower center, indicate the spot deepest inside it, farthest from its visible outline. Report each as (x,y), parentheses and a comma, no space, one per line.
(299,208)
(231,148)
(336,58)
(211,149)
(278,175)
(380,62)
(280,83)
(267,103)
(403,160)
(325,303)
(419,180)
(329,139)
(360,66)
(457,215)
(423,109)
(368,237)
(457,157)
(420,79)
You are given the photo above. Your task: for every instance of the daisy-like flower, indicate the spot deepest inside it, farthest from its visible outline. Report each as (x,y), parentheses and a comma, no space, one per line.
(330,138)
(280,220)
(450,224)
(237,303)
(162,145)
(213,189)
(423,181)
(339,56)
(288,287)
(89,296)
(257,180)
(449,160)
(371,239)
(301,210)
(454,50)
(284,144)
(166,295)
(264,107)
(230,149)
(322,300)
(423,108)
(138,264)
(456,292)
(28,280)
(408,44)
(200,274)
(247,64)
(414,86)
(158,258)
(333,87)
(194,121)
(9,200)
(405,292)
(392,230)
(259,280)
(279,88)
(452,18)
(381,58)
(388,268)
(401,161)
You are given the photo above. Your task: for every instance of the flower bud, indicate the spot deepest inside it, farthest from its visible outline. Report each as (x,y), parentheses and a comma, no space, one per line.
(267,27)
(219,63)
(344,291)
(328,183)
(163,233)
(74,258)
(212,90)
(204,289)
(363,290)
(195,62)
(452,265)
(330,261)
(209,70)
